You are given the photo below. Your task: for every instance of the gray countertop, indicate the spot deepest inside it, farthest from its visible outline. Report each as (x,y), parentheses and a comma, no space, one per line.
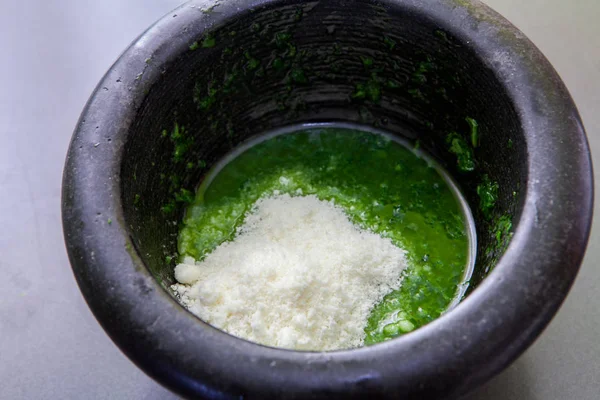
(53,54)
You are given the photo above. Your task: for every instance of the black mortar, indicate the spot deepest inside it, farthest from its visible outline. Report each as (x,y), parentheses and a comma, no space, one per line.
(417,69)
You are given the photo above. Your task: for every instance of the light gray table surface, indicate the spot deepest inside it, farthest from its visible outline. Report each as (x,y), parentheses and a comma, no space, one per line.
(53,52)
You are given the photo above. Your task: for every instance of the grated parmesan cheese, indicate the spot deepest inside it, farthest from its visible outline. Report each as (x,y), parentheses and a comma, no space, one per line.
(298,275)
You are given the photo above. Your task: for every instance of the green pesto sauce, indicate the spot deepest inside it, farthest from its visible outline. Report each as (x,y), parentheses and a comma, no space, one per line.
(380,184)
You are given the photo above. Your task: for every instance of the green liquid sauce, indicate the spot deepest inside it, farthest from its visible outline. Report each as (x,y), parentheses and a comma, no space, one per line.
(380,184)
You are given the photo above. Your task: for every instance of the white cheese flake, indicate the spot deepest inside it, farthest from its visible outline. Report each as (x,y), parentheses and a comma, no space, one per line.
(298,275)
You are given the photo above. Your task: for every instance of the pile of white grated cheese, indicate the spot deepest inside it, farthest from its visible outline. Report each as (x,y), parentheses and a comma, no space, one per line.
(298,275)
